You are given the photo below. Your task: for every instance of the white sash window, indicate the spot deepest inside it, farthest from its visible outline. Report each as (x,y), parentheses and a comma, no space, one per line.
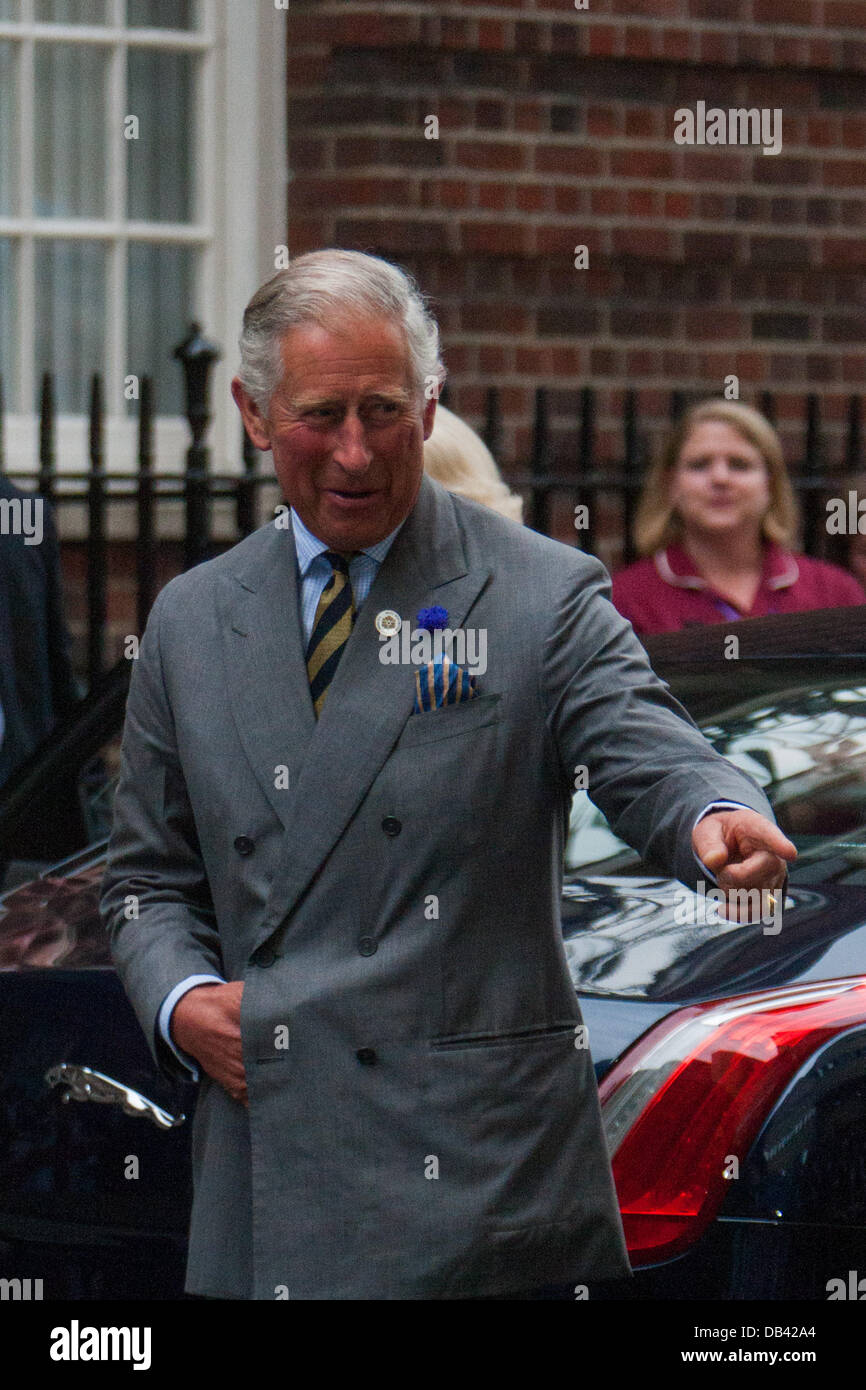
(142,184)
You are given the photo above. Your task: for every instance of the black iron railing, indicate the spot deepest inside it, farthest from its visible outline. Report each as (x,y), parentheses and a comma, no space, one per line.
(580,475)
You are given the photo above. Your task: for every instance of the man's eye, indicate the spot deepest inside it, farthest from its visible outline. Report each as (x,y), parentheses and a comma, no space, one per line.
(321,412)
(382,410)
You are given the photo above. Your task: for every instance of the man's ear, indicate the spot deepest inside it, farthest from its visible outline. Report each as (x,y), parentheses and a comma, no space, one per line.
(429,417)
(254,421)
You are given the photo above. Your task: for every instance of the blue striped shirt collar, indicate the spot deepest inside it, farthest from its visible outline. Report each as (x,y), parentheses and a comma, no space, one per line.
(308,547)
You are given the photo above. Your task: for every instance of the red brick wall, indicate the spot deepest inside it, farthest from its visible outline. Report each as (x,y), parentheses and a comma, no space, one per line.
(121,615)
(555,129)
(121,595)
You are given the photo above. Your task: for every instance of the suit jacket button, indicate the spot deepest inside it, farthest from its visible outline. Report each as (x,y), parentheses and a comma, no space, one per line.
(367,1056)
(244,845)
(391,826)
(367,946)
(264,956)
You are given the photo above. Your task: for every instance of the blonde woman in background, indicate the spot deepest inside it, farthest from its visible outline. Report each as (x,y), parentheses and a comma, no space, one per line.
(458,459)
(716,523)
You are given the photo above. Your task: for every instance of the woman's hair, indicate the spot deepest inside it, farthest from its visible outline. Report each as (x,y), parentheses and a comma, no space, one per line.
(458,459)
(327,288)
(656,523)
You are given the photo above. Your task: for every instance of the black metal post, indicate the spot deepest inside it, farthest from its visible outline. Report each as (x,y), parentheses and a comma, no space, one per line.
(854,438)
(539,507)
(245,488)
(493,421)
(97,551)
(145,546)
(632,459)
(814,467)
(197,356)
(46,438)
(585,451)
(768,406)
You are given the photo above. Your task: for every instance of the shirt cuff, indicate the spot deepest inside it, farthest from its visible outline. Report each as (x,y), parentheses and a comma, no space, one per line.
(716,806)
(167,1007)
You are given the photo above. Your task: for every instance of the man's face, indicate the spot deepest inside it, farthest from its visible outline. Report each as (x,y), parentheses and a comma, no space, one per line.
(346,428)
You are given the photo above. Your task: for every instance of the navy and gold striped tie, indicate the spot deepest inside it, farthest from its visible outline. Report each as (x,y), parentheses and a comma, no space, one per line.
(332,628)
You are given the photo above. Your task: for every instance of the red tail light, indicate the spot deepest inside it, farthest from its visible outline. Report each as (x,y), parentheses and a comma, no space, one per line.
(693,1093)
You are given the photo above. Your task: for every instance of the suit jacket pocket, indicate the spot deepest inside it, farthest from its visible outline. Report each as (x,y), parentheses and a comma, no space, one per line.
(516,1121)
(535,1033)
(450,720)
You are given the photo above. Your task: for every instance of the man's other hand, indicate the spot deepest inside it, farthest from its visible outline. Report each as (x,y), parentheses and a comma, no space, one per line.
(206,1023)
(743,849)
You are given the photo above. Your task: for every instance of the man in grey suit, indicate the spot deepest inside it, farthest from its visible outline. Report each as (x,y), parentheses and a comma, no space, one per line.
(335,890)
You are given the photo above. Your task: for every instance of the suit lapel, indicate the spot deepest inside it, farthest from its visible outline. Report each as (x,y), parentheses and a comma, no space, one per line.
(369,702)
(265,664)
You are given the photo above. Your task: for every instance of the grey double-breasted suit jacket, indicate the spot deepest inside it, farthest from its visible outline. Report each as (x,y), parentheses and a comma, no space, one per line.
(421,1123)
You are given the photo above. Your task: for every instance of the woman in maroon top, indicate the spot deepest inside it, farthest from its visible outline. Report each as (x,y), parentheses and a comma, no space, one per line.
(716,522)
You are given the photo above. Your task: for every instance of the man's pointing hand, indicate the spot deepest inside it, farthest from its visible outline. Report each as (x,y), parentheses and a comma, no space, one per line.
(743,849)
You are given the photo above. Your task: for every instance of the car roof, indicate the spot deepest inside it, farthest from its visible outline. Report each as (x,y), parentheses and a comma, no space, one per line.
(809,635)
(710,674)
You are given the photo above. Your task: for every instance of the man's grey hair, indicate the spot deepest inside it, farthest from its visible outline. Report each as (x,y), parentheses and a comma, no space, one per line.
(324,287)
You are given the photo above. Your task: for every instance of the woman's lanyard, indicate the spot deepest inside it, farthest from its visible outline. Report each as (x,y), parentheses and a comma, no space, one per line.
(730,613)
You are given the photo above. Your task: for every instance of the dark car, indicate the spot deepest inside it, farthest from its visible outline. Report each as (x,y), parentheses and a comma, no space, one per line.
(731,1058)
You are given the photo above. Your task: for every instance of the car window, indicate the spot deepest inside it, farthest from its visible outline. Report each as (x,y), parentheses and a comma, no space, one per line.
(806,749)
(65,814)
(96,785)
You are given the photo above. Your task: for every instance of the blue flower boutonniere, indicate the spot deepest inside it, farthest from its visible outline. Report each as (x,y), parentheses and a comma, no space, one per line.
(430,618)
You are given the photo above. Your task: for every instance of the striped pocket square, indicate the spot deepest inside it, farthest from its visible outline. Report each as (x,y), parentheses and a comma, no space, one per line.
(442,683)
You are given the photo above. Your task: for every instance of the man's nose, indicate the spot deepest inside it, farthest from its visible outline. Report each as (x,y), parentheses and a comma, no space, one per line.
(352,451)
